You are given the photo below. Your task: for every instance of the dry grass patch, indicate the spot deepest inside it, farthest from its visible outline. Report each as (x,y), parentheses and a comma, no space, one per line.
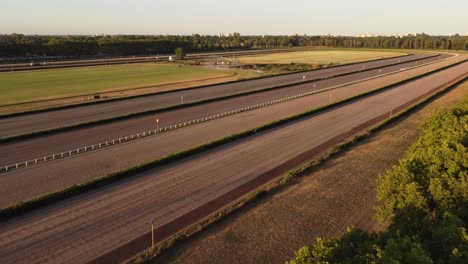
(319,57)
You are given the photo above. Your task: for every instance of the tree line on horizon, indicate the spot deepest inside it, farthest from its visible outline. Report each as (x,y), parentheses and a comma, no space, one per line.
(18,45)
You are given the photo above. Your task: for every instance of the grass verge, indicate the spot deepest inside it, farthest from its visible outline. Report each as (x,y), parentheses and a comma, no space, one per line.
(48,199)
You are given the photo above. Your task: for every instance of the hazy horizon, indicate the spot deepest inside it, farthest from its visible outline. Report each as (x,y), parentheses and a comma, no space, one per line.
(209,17)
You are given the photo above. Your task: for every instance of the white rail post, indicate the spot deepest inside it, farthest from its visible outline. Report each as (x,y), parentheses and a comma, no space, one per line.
(152,234)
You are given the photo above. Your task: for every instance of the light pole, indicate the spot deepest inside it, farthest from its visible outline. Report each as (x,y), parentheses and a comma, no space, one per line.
(157,123)
(152,234)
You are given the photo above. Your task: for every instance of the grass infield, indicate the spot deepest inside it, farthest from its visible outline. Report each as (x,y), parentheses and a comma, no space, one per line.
(19,87)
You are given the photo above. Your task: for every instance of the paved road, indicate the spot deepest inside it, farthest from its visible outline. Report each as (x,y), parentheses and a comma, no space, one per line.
(35,148)
(66,117)
(81,229)
(55,175)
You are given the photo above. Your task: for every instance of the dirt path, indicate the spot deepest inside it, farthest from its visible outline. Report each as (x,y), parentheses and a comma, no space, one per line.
(337,194)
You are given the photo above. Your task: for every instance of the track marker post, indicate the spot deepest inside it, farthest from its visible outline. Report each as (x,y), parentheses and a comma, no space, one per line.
(152,234)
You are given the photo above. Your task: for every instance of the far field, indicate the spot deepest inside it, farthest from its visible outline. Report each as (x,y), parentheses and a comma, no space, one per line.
(34,85)
(318,57)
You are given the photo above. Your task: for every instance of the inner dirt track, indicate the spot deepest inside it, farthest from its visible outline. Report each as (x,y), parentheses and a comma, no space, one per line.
(35,148)
(23,124)
(51,176)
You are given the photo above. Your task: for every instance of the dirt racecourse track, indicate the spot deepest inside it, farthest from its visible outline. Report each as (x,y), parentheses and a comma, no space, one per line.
(331,197)
(55,175)
(23,124)
(87,226)
(69,140)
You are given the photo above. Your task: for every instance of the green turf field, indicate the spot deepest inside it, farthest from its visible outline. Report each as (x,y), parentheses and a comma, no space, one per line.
(317,57)
(34,85)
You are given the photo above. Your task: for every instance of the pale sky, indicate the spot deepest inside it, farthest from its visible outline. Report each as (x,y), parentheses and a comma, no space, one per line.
(248,17)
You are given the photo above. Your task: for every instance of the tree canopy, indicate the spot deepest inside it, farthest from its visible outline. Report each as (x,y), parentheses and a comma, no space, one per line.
(17,45)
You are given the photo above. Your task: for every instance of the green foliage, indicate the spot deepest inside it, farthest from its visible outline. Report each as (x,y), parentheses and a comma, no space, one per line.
(433,176)
(405,250)
(354,246)
(17,45)
(180,53)
(426,199)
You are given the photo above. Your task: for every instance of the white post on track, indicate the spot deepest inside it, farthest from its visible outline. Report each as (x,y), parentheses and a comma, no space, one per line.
(152,234)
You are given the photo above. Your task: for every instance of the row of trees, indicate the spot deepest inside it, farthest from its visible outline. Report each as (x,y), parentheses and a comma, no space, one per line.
(16,45)
(426,199)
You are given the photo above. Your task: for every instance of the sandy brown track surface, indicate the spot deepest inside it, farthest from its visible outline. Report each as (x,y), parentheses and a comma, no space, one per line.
(11,153)
(59,174)
(338,194)
(59,118)
(87,226)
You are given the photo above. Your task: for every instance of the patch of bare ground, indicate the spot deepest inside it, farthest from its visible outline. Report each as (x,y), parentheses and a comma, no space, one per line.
(332,196)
